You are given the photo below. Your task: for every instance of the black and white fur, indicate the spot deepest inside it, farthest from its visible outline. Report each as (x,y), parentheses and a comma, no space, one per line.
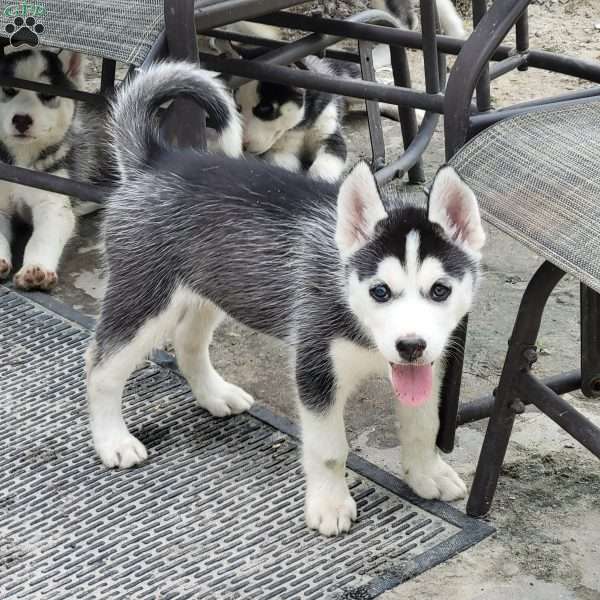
(294,128)
(192,237)
(44,133)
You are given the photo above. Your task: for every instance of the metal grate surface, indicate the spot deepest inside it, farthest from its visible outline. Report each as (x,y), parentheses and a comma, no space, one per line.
(215,513)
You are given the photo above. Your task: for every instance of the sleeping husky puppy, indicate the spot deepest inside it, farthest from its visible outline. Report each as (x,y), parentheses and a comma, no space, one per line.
(294,128)
(356,285)
(44,133)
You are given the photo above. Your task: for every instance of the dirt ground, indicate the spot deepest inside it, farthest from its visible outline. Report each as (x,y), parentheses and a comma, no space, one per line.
(547,508)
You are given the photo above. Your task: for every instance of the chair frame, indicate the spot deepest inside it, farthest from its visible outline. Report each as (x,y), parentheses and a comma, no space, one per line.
(517,386)
(178,40)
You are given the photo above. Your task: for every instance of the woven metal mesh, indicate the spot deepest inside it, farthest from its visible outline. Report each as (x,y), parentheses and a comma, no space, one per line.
(215,513)
(537,178)
(123,31)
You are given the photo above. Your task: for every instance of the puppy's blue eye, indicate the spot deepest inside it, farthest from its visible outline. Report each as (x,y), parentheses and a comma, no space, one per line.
(439,292)
(380,292)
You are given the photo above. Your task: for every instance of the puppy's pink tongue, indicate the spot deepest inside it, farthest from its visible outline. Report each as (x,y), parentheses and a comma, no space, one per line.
(412,383)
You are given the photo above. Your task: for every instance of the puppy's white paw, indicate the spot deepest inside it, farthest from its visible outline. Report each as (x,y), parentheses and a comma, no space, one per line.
(290,162)
(435,479)
(35,277)
(120,450)
(5,268)
(328,168)
(224,399)
(328,512)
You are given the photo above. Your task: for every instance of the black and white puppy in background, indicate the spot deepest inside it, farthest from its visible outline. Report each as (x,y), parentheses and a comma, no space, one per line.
(44,133)
(294,128)
(298,129)
(357,286)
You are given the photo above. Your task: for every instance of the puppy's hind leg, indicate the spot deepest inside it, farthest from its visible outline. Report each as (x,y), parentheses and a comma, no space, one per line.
(124,337)
(192,340)
(106,379)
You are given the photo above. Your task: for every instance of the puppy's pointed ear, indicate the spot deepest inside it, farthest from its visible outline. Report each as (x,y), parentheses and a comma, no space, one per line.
(359,208)
(73,66)
(452,204)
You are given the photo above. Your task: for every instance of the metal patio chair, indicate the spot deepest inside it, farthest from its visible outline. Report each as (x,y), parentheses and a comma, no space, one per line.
(535,168)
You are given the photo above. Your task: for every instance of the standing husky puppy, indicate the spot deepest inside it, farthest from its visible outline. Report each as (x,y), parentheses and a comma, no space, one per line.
(356,287)
(294,128)
(40,132)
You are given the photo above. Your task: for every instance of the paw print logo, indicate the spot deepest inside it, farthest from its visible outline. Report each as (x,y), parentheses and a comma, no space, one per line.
(24,31)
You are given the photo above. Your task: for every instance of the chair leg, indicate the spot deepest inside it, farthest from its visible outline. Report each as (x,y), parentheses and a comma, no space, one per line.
(590,342)
(407,115)
(373,117)
(181,40)
(450,396)
(520,357)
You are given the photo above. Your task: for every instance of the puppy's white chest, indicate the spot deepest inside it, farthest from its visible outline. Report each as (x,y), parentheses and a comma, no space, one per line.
(353,363)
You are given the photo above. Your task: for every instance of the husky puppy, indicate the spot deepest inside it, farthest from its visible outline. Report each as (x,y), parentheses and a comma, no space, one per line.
(355,284)
(298,129)
(294,128)
(44,133)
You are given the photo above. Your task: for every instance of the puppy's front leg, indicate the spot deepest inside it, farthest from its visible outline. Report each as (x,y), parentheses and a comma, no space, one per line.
(5,239)
(285,160)
(330,159)
(329,507)
(53,226)
(424,470)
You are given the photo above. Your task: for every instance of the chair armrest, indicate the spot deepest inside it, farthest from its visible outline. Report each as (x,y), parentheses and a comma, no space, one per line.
(472,59)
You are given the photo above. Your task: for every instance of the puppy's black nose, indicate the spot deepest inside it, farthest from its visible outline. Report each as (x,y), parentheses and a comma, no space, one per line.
(22,122)
(411,348)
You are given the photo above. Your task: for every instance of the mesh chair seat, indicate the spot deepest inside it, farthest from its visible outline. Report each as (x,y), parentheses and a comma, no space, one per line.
(122,30)
(116,29)
(537,178)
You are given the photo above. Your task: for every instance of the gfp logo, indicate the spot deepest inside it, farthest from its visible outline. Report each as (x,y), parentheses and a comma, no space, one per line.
(24,9)
(24,29)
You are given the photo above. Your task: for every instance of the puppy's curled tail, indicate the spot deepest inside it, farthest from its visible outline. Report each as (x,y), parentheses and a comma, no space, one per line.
(134,126)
